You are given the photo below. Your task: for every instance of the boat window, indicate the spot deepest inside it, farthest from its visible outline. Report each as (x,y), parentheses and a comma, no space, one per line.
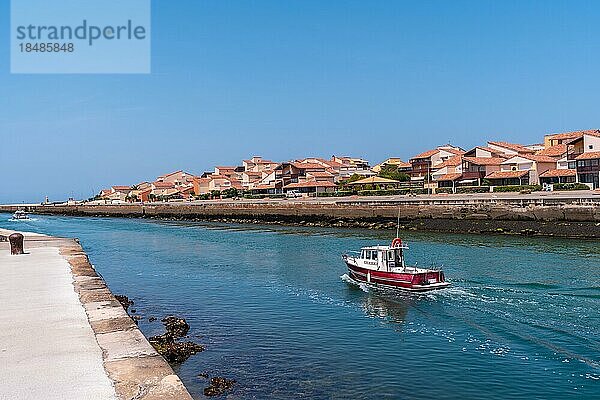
(367,254)
(391,255)
(374,255)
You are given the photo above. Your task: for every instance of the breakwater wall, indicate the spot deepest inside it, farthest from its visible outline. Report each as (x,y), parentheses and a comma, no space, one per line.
(566,217)
(63,313)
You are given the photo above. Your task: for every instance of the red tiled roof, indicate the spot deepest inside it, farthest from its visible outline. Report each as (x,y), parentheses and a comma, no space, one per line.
(555,173)
(310,184)
(426,154)
(163,185)
(447,177)
(121,187)
(172,173)
(308,166)
(453,150)
(536,158)
(507,174)
(513,146)
(574,134)
(485,160)
(588,156)
(451,162)
(226,168)
(553,151)
(202,180)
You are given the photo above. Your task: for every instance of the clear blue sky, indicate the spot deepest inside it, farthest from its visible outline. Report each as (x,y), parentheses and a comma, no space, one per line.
(287,79)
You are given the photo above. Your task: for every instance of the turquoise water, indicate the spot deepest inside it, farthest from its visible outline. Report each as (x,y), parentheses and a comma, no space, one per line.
(522,319)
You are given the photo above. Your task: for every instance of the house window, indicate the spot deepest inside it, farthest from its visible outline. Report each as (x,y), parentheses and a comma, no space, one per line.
(594,163)
(591,146)
(572,164)
(580,163)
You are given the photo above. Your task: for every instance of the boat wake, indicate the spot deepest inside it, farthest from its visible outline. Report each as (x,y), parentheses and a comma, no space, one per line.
(361,285)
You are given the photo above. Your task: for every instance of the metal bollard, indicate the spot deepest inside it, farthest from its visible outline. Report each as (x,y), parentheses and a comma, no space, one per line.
(16,244)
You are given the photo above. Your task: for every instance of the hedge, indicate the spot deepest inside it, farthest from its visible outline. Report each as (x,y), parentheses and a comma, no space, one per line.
(517,188)
(444,190)
(472,189)
(340,193)
(570,186)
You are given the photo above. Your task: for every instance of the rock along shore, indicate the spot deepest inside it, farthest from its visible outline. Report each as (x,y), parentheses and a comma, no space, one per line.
(72,338)
(559,215)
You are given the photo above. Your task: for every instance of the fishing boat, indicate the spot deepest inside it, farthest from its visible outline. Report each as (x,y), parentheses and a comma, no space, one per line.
(20,215)
(385,266)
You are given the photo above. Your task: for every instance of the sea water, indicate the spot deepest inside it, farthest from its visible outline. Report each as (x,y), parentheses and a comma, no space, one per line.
(272,307)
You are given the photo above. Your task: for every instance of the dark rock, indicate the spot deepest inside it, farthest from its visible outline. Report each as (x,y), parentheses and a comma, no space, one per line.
(203,375)
(133,310)
(177,327)
(124,300)
(173,351)
(218,386)
(151,319)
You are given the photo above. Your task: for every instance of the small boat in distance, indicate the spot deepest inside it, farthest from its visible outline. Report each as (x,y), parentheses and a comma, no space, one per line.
(385,266)
(20,215)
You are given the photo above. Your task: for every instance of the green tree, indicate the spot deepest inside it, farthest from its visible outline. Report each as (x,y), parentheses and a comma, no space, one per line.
(391,172)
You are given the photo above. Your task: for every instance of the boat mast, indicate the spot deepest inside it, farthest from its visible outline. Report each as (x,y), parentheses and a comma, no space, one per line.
(398,222)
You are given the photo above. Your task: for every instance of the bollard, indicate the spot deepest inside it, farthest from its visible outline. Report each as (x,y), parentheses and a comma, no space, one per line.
(16,244)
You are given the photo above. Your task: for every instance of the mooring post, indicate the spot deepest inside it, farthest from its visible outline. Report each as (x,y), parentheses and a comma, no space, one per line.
(16,244)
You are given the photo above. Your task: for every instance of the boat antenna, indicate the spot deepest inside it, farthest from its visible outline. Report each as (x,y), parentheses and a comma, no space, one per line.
(398,223)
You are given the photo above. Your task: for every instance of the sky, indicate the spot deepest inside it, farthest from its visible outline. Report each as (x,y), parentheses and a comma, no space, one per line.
(291,79)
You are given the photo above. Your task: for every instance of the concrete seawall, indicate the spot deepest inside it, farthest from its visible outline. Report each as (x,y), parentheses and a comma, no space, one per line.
(511,214)
(63,334)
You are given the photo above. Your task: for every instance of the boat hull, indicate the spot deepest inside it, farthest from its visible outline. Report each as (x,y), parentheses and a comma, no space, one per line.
(414,282)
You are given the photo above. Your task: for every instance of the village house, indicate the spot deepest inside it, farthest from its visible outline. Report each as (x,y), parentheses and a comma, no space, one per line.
(563,138)
(585,151)
(310,186)
(448,173)
(521,169)
(565,171)
(142,186)
(348,166)
(162,190)
(177,178)
(258,164)
(424,164)
(332,167)
(250,178)
(142,195)
(512,149)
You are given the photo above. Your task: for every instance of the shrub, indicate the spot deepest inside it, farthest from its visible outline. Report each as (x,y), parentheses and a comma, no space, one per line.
(571,186)
(517,188)
(444,190)
(231,192)
(204,196)
(472,189)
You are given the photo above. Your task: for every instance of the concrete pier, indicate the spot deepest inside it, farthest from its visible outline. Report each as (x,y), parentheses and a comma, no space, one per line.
(63,335)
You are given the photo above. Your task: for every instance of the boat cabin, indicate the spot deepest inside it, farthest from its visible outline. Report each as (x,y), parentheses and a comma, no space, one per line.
(382,258)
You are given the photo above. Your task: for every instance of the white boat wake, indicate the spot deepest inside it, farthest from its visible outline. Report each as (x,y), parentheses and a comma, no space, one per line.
(361,285)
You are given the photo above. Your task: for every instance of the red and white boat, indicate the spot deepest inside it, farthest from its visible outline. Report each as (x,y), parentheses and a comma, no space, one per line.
(385,266)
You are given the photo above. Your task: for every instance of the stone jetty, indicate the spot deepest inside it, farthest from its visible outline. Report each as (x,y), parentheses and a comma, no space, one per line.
(63,335)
